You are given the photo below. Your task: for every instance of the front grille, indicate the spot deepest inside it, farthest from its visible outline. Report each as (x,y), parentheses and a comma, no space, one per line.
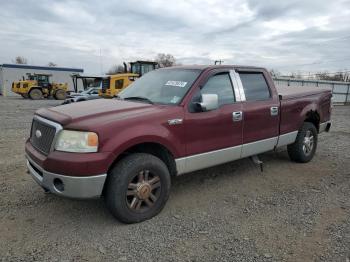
(105,84)
(42,136)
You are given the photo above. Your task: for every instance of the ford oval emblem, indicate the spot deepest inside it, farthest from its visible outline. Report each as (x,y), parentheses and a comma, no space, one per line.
(38,133)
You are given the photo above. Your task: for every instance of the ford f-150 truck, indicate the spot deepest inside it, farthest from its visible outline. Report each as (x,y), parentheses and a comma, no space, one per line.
(170,122)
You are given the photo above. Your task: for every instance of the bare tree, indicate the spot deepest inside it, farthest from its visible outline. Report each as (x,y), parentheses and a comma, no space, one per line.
(51,64)
(338,76)
(165,60)
(115,69)
(21,60)
(296,75)
(275,73)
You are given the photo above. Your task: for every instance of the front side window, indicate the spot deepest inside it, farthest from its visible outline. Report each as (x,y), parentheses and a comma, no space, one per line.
(220,85)
(255,86)
(163,86)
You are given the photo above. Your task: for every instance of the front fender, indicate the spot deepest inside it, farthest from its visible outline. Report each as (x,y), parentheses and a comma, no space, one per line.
(169,137)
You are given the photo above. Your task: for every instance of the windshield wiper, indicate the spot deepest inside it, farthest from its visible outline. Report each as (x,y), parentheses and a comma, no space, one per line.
(140,98)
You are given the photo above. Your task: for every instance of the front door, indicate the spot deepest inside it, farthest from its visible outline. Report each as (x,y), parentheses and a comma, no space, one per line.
(214,137)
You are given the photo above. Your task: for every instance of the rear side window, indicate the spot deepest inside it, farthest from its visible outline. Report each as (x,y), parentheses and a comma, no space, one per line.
(255,86)
(221,85)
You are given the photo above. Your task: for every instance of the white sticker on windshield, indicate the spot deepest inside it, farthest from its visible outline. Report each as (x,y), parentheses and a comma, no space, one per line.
(176,83)
(175,99)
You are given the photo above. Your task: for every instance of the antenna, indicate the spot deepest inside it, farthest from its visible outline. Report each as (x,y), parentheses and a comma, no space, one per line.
(218,62)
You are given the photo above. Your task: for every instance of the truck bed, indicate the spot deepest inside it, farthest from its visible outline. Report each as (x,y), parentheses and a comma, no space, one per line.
(289,92)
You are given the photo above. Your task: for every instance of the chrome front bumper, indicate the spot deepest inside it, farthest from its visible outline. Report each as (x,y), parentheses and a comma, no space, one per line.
(325,127)
(67,186)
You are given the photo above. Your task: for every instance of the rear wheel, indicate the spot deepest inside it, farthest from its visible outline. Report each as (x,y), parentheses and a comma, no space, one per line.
(35,94)
(60,94)
(304,147)
(137,188)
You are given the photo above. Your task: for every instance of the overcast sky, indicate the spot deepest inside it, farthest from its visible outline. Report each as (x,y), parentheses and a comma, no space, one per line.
(308,35)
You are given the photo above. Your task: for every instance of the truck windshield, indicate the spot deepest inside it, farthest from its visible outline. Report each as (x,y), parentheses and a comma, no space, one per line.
(163,86)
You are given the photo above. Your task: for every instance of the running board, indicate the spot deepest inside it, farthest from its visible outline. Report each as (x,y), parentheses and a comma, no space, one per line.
(257,161)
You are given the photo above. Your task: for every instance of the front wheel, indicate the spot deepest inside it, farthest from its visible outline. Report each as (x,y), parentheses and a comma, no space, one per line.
(137,188)
(304,147)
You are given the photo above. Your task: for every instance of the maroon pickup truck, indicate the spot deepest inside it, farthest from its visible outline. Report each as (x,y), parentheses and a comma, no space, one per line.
(170,122)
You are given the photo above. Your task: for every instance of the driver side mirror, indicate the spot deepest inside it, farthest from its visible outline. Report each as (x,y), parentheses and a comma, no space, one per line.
(209,102)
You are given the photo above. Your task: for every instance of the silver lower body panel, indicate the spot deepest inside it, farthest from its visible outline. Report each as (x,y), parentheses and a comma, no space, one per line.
(213,158)
(67,186)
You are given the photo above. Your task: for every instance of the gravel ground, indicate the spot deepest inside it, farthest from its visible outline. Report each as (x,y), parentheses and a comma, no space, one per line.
(290,212)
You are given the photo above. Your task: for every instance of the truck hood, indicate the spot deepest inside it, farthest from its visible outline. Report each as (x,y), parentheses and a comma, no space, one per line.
(102,109)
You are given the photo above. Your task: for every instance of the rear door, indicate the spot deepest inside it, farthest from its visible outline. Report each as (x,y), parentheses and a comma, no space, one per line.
(214,137)
(260,112)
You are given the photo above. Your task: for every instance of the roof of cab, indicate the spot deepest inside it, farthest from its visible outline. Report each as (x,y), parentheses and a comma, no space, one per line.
(210,67)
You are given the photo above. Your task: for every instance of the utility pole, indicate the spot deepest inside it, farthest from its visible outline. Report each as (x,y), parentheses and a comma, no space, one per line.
(101,66)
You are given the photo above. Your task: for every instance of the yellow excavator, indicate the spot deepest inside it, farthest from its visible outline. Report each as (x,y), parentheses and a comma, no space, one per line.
(38,86)
(113,84)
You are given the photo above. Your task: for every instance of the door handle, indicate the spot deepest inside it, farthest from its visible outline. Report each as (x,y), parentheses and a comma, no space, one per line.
(237,116)
(274,110)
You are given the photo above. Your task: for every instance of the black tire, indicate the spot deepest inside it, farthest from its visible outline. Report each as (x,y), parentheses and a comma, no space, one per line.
(35,94)
(302,150)
(123,186)
(60,94)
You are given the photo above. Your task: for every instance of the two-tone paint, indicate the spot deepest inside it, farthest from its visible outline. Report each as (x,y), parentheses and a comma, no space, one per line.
(194,140)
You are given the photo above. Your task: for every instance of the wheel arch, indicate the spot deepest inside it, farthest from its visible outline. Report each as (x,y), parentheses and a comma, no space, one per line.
(311,113)
(154,148)
(313,117)
(30,88)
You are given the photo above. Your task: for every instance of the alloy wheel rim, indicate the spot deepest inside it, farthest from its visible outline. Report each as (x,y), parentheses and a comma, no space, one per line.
(143,191)
(308,143)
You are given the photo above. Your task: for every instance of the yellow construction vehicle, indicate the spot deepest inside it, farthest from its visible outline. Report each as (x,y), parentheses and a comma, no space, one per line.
(113,84)
(37,86)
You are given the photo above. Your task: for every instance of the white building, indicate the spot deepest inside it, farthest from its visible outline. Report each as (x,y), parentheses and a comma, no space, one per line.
(15,72)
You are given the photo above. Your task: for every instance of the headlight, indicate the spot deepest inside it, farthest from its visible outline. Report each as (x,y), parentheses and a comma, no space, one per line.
(77,141)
